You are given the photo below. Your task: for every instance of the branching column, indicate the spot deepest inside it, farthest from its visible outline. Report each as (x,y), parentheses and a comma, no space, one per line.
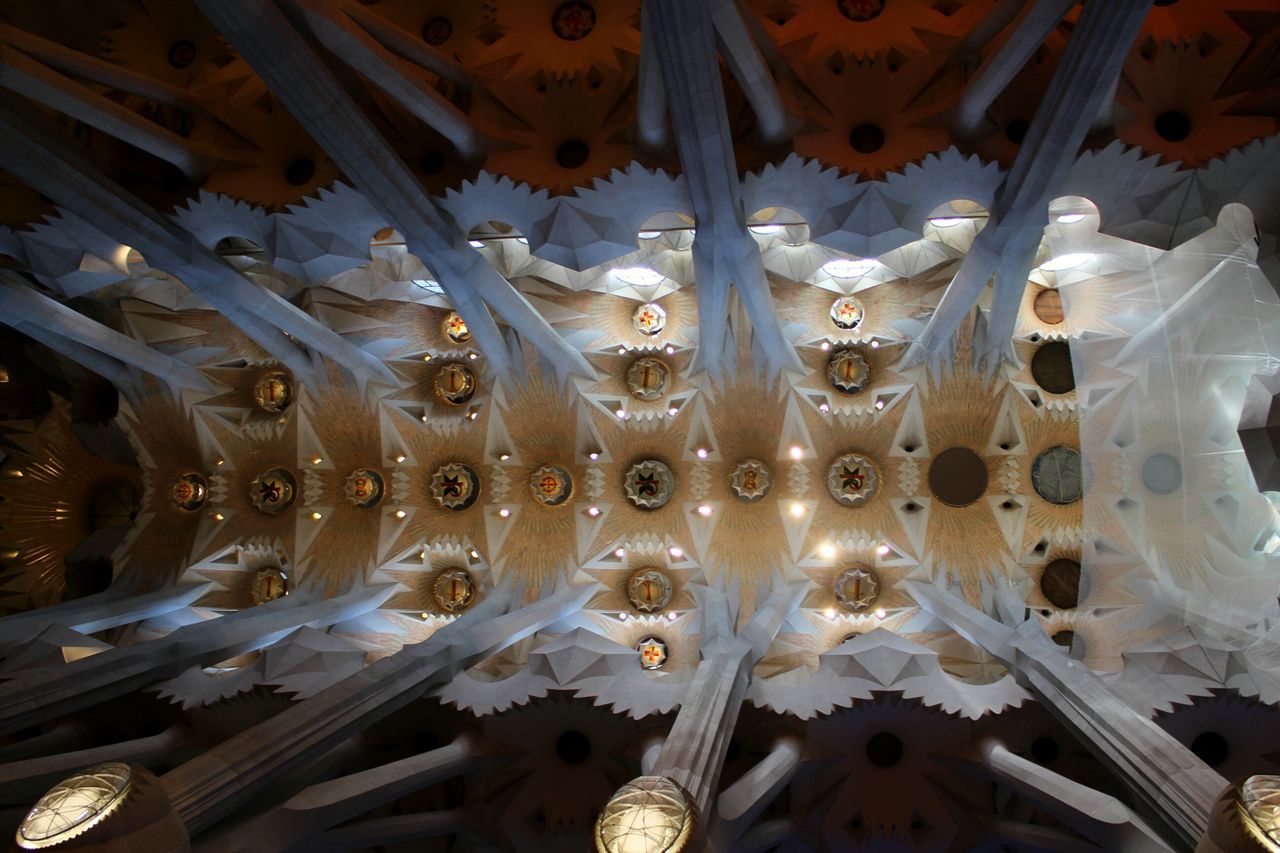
(1177,788)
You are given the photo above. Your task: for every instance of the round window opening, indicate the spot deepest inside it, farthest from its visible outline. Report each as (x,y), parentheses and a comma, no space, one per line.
(958,476)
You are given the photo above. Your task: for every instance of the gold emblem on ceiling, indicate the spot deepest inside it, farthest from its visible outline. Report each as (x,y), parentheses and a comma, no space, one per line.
(189,492)
(751,480)
(273,490)
(453,590)
(852,479)
(649,319)
(857,589)
(649,484)
(363,487)
(454,383)
(455,486)
(273,392)
(647,378)
(649,590)
(455,328)
(847,313)
(551,485)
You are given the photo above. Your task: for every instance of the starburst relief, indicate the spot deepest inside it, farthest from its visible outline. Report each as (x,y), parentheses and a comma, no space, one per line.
(649,484)
(852,479)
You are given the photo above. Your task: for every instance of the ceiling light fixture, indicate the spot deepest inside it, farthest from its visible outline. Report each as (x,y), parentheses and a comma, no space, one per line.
(504,513)
(849,267)
(620,553)
(946,221)
(765,229)
(593,511)
(639,276)
(704,510)
(673,411)
(882,550)
(1069,218)
(1066,262)
(797,452)
(703,453)
(400,458)
(400,513)
(649,235)
(676,551)
(827,551)
(476,244)
(797,509)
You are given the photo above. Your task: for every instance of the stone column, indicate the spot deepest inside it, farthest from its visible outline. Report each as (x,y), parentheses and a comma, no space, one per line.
(98,612)
(27,780)
(300,78)
(1177,788)
(693,754)
(47,692)
(51,165)
(742,802)
(724,252)
(34,314)
(208,788)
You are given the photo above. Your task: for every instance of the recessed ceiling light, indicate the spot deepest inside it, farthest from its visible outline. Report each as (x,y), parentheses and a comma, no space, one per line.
(476,244)
(849,267)
(797,452)
(797,509)
(649,235)
(765,229)
(639,276)
(946,221)
(1069,218)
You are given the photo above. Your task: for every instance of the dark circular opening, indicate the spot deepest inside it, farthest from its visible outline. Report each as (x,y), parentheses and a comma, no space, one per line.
(1162,474)
(866,138)
(300,171)
(572,154)
(1064,638)
(182,53)
(114,504)
(573,747)
(436,31)
(1211,748)
(573,20)
(432,162)
(1016,131)
(1044,750)
(884,749)
(1051,368)
(958,476)
(860,10)
(1060,583)
(1173,126)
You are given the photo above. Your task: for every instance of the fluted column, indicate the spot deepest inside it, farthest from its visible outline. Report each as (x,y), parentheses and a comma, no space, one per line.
(693,754)
(98,612)
(52,691)
(49,164)
(1176,787)
(724,252)
(301,80)
(34,314)
(209,787)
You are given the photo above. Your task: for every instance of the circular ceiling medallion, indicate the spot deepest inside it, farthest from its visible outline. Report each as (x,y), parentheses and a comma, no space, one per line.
(75,805)
(269,584)
(1060,583)
(1056,475)
(649,590)
(364,487)
(860,10)
(181,54)
(453,590)
(436,31)
(649,813)
(653,653)
(455,328)
(455,486)
(750,480)
(1048,306)
(189,492)
(857,589)
(1259,809)
(573,20)
(649,319)
(1051,368)
(647,378)
(455,384)
(852,479)
(1162,474)
(649,484)
(551,485)
(957,476)
(273,392)
(847,371)
(274,490)
(847,313)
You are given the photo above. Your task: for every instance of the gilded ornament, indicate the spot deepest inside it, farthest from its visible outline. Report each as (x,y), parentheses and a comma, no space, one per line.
(647,378)
(455,486)
(1259,806)
(857,589)
(847,371)
(455,384)
(273,392)
(650,814)
(573,20)
(273,491)
(649,590)
(551,485)
(74,806)
(649,319)
(269,584)
(455,328)
(852,479)
(649,484)
(363,488)
(751,480)
(453,590)
(847,313)
(189,492)
(653,653)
